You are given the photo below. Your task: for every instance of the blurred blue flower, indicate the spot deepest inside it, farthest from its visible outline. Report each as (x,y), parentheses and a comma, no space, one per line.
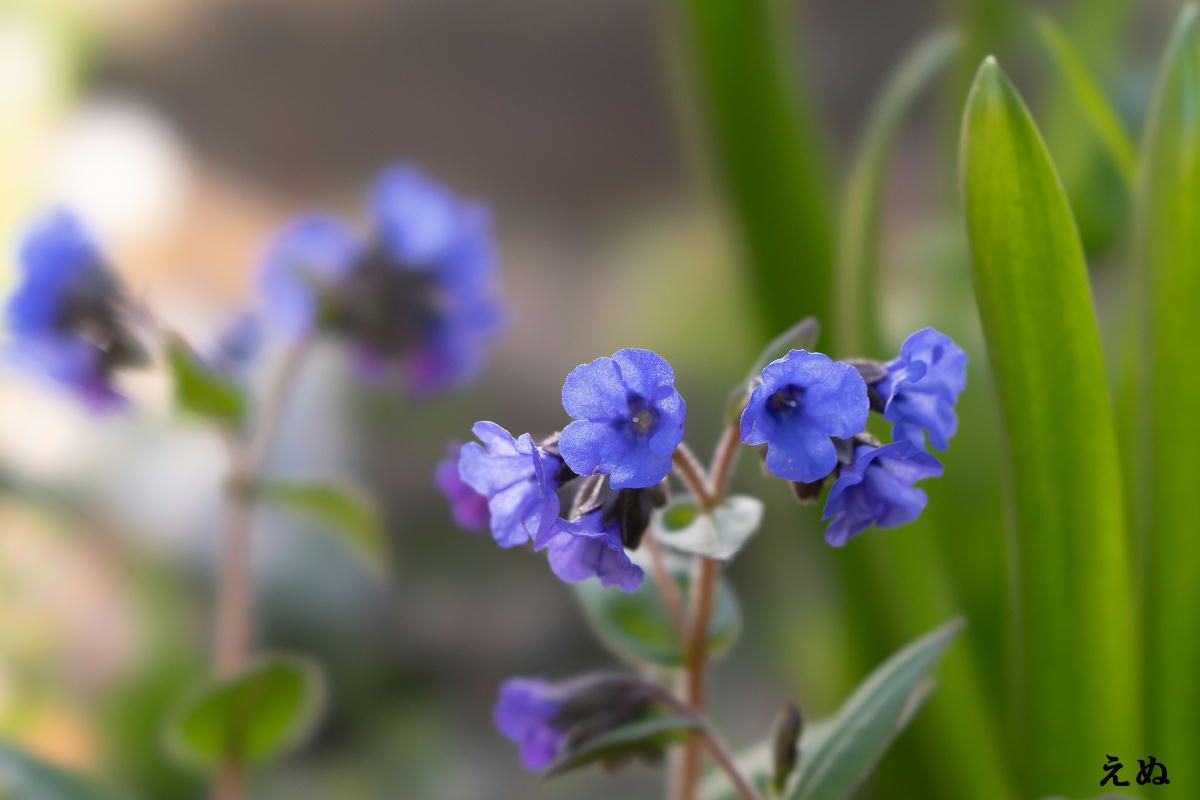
(236,346)
(414,296)
(591,548)
(629,418)
(468,507)
(877,489)
(804,400)
(526,713)
(519,479)
(922,386)
(69,314)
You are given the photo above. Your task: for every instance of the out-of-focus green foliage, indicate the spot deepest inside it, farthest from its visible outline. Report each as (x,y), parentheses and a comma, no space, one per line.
(624,742)
(251,717)
(1168,257)
(1074,609)
(200,391)
(347,513)
(767,152)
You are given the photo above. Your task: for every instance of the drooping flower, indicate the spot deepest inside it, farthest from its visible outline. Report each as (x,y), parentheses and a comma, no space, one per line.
(468,507)
(804,400)
(877,489)
(69,316)
(526,714)
(591,547)
(413,296)
(519,479)
(922,385)
(628,418)
(236,346)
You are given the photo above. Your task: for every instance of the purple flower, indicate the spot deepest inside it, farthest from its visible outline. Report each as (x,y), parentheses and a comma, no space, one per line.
(629,418)
(526,713)
(69,316)
(590,547)
(519,480)
(468,507)
(237,344)
(804,400)
(877,489)
(922,386)
(414,296)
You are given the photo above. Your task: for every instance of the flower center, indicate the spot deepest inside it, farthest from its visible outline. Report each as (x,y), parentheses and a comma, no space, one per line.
(787,402)
(642,417)
(387,306)
(91,309)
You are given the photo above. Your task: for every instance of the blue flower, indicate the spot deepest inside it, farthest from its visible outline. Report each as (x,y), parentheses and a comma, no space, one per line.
(629,418)
(804,400)
(877,489)
(69,316)
(413,296)
(519,480)
(526,713)
(237,345)
(922,386)
(468,507)
(590,547)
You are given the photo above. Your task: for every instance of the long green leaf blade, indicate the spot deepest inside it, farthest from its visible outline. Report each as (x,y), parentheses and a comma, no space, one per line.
(766,153)
(1076,672)
(858,233)
(1168,244)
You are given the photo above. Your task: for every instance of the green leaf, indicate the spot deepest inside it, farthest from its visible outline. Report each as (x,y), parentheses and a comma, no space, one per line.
(719,534)
(345,512)
(1168,257)
(200,391)
(837,754)
(252,717)
(767,152)
(1088,98)
(24,777)
(636,627)
(641,737)
(1073,589)
(857,314)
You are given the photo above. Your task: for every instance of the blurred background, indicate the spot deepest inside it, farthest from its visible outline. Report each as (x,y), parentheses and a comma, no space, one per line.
(187,132)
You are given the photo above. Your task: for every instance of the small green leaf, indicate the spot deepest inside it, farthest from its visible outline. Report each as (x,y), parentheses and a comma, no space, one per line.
(645,737)
(347,513)
(24,777)
(837,754)
(200,391)
(636,626)
(251,717)
(719,534)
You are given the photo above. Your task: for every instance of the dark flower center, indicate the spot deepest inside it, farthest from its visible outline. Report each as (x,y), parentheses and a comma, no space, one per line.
(787,402)
(387,306)
(642,417)
(91,309)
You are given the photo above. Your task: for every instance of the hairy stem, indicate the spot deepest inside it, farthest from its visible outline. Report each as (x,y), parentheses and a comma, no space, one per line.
(668,588)
(724,460)
(695,676)
(688,468)
(234,616)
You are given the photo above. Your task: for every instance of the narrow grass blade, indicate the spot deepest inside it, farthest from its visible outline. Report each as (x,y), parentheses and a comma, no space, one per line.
(1168,254)
(858,232)
(766,152)
(1077,670)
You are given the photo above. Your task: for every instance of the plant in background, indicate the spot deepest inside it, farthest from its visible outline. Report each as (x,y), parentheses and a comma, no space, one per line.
(597,497)
(411,297)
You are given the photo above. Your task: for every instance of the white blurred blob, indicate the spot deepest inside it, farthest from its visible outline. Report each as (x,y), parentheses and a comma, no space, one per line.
(121,167)
(30,69)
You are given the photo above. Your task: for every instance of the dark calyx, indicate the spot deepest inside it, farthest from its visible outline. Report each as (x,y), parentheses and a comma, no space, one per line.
(385,305)
(630,509)
(93,308)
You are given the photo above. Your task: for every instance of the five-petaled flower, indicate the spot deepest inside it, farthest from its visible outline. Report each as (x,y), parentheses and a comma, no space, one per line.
(591,547)
(415,294)
(468,507)
(804,400)
(519,479)
(877,489)
(70,316)
(628,418)
(527,713)
(922,386)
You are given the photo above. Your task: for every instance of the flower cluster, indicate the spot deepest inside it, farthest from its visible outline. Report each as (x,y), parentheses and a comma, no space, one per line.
(413,297)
